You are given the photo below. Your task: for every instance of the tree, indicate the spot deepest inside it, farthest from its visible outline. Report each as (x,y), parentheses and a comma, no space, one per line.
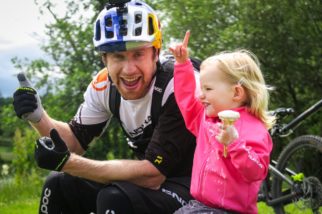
(71,48)
(285,35)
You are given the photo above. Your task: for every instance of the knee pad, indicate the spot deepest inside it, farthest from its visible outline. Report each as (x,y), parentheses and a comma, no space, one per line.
(112,199)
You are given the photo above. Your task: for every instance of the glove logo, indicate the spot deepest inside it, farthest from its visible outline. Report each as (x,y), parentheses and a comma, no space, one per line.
(47,143)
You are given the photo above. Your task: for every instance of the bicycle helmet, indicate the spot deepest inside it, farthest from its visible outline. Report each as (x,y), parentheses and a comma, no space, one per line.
(124,27)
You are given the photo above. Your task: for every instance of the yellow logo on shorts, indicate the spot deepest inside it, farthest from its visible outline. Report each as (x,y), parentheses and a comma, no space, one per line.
(158,160)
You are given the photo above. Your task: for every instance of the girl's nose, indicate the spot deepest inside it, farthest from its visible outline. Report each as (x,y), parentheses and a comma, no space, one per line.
(201,96)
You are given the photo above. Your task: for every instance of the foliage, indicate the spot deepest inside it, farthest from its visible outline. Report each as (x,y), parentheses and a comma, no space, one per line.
(287,42)
(213,24)
(23,163)
(285,35)
(8,120)
(116,148)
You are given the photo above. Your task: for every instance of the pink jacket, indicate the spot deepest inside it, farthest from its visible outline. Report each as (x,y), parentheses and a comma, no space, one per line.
(233,182)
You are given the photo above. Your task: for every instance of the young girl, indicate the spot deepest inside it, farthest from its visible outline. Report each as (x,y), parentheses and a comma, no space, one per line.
(223,183)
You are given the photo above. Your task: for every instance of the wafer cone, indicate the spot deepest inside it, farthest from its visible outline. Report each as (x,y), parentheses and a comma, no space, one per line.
(228,118)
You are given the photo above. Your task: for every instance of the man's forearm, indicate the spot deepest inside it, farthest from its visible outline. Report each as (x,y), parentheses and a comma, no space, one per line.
(46,124)
(140,172)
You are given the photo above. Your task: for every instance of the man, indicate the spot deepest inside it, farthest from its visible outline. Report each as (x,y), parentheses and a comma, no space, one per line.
(129,37)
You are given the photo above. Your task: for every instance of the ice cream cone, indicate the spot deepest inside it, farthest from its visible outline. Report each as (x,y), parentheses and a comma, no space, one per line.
(228,118)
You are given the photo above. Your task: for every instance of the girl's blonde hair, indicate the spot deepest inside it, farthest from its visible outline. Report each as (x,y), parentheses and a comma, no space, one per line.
(242,67)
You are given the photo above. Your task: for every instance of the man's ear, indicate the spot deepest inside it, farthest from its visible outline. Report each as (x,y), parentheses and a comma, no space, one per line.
(156,53)
(156,58)
(104,59)
(239,93)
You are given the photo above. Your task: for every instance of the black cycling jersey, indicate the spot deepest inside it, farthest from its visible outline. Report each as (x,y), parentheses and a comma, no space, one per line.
(166,149)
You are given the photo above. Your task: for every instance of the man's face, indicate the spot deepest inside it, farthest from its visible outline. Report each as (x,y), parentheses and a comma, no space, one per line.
(132,71)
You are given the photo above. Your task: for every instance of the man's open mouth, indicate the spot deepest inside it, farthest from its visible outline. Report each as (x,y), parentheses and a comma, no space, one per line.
(130,81)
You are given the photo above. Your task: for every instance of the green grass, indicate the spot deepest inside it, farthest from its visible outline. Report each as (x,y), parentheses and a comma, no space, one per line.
(27,206)
(262,208)
(19,198)
(290,209)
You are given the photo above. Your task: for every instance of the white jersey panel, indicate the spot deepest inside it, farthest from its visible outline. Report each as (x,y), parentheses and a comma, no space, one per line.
(136,114)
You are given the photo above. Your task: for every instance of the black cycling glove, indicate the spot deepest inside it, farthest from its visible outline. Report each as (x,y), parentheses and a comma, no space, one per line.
(26,101)
(51,153)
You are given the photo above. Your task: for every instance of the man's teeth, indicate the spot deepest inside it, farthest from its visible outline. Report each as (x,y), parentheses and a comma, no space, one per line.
(130,79)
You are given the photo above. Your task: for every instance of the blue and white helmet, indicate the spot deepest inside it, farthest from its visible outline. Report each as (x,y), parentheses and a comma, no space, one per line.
(133,26)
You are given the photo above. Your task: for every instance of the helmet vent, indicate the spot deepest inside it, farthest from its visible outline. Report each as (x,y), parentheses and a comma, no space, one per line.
(109,34)
(123,31)
(138,18)
(108,22)
(138,31)
(123,27)
(98,31)
(124,22)
(151,27)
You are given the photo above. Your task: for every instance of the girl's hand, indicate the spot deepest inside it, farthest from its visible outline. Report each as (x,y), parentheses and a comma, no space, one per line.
(180,51)
(227,134)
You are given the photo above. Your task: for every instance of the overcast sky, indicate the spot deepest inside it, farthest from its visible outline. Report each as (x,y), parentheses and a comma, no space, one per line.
(21,33)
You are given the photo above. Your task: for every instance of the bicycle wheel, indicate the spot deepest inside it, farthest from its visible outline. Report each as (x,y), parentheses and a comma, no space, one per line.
(302,156)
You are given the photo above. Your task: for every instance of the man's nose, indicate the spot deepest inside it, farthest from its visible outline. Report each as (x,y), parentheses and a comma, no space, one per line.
(129,67)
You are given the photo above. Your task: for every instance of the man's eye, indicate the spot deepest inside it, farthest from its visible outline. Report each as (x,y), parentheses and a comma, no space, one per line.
(138,54)
(118,57)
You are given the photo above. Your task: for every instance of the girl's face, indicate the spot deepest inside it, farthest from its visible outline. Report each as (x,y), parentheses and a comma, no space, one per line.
(217,93)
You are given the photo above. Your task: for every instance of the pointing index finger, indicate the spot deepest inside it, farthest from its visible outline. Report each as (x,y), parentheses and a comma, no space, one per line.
(186,39)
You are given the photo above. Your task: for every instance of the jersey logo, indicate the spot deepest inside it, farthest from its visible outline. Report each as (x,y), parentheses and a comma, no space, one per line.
(138,131)
(158,160)
(131,144)
(158,89)
(100,81)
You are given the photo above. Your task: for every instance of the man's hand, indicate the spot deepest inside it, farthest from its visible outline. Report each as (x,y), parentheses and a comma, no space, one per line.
(51,153)
(180,51)
(26,101)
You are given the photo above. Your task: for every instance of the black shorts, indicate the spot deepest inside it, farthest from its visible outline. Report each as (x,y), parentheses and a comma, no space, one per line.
(68,194)
(173,194)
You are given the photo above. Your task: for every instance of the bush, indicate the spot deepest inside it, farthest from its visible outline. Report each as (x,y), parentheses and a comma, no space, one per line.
(23,163)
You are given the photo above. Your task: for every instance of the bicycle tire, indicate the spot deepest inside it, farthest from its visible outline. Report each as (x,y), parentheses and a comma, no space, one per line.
(302,155)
